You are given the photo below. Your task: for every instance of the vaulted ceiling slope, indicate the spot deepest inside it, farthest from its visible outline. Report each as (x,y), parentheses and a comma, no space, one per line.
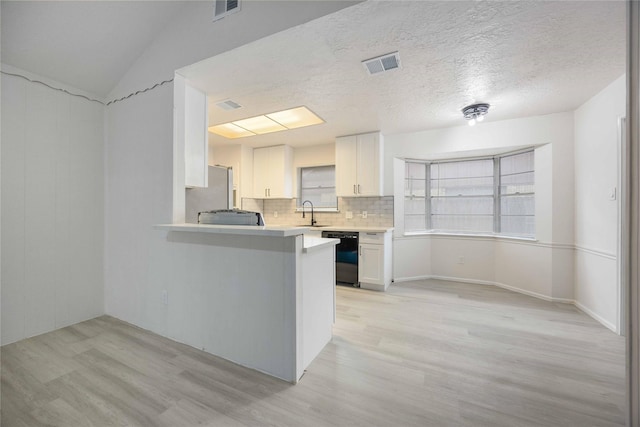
(88,45)
(524,57)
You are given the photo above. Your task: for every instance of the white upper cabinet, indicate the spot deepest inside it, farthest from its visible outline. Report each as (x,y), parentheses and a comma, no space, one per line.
(346,161)
(272,172)
(190,127)
(359,165)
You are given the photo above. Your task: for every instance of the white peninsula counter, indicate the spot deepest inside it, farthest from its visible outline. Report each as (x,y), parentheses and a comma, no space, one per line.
(260,296)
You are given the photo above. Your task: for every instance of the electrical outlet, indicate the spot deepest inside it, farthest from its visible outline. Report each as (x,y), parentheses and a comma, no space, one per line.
(165,297)
(349,215)
(461,260)
(364,214)
(275,214)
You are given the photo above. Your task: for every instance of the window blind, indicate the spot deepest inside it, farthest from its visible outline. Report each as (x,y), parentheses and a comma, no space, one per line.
(488,195)
(318,184)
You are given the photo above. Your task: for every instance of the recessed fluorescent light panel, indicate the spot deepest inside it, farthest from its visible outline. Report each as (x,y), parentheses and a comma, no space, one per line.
(260,125)
(295,118)
(273,122)
(229,130)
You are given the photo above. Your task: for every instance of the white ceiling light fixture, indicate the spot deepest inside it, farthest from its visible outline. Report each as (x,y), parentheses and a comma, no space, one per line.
(475,113)
(273,122)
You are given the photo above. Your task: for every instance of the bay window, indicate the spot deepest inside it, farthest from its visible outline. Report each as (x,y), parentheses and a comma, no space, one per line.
(484,196)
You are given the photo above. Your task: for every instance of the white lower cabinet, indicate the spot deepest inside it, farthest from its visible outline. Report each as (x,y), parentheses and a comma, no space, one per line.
(374,260)
(371,264)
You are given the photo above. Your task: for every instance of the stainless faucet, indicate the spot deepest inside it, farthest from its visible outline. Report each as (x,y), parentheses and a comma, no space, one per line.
(313,221)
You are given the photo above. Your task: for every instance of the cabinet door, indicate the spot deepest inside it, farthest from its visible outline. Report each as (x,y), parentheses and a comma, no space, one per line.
(346,164)
(371,264)
(261,172)
(368,165)
(279,165)
(190,125)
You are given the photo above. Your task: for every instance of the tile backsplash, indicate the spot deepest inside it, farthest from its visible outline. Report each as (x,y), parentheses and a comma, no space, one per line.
(283,212)
(255,205)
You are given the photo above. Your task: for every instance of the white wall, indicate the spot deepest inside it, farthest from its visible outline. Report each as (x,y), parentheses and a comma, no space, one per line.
(139,183)
(139,142)
(596,216)
(457,258)
(543,268)
(314,155)
(52,209)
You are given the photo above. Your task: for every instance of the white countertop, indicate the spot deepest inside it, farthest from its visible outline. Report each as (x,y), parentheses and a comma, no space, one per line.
(246,230)
(380,229)
(314,243)
(268,230)
(358,229)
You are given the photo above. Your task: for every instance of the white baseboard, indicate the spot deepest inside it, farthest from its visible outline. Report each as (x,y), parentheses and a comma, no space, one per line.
(504,286)
(535,294)
(581,307)
(373,287)
(459,279)
(410,279)
(596,316)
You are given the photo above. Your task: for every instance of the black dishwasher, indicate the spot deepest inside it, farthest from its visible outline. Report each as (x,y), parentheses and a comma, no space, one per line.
(346,256)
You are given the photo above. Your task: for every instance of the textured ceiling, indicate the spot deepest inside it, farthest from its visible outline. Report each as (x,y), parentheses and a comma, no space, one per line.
(86,44)
(524,58)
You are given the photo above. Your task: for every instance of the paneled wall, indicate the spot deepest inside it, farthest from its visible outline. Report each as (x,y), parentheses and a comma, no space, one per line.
(596,212)
(52,209)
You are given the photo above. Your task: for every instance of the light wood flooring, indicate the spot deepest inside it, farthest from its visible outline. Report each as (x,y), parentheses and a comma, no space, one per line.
(425,353)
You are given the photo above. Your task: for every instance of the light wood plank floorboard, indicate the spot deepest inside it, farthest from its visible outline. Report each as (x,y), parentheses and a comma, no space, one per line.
(425,353)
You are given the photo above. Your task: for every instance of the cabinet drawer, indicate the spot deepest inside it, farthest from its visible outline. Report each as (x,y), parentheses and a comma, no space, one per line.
(375,238)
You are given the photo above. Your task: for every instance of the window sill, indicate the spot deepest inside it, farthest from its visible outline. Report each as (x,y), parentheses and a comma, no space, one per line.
(468,235)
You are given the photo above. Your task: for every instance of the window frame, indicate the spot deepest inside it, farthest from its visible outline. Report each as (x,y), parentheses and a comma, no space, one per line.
(497,196)
(300,188)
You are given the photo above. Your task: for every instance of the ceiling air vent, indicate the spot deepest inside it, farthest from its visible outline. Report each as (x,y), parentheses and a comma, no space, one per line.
(382,63)
(228,105)
(222,8)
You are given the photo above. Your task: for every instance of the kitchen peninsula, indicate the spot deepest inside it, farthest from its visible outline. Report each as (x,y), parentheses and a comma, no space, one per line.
(260,296)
